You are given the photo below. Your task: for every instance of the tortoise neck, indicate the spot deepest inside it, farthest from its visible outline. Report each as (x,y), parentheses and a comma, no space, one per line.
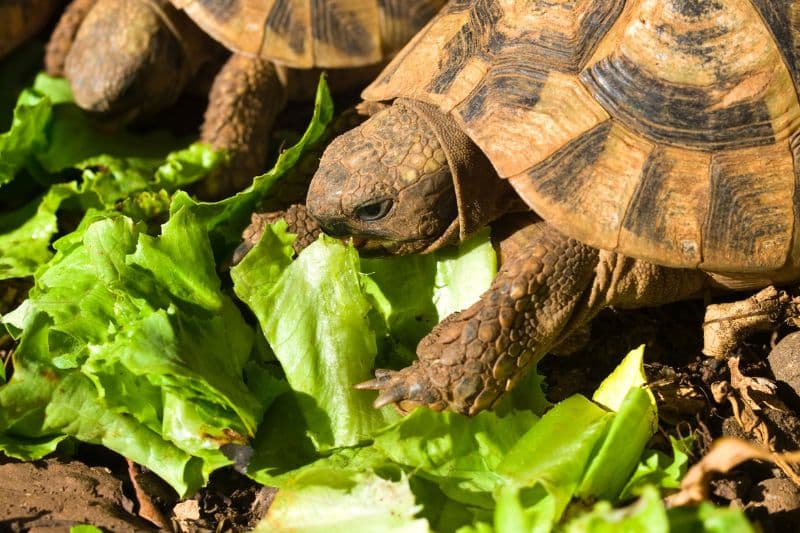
(482,196)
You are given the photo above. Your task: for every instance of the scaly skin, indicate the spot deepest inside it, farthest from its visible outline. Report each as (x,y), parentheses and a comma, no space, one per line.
(124,58)
(64,34)
(245,99)
(391,160)
(552,288)
(470,359)
(546,289)
(298,221)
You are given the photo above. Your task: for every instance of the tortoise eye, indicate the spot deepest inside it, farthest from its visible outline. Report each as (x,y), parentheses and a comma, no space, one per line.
(374,210)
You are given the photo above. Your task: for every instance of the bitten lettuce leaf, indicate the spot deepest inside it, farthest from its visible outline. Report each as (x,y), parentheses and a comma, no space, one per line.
(317,314)
(315,317)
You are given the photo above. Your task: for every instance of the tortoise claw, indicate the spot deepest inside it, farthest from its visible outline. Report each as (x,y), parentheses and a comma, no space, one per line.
(398,393)
(382,377)
(392,387)
(406,389)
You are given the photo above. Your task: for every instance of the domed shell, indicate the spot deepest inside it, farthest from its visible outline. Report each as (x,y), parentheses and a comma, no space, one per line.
(313,33)
(663,129)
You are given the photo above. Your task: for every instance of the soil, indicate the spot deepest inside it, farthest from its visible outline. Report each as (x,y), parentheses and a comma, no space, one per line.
(53,495)
(56,494)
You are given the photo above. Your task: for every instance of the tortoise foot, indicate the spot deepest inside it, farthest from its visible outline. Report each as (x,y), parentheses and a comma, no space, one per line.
(406,389)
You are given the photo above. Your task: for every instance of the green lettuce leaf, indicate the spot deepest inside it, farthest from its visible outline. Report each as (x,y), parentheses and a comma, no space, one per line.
(85,528)
(615,387)
(73,137)
(709,518)
(649,514)
(51,139)
(459,453)
(344,502)
(128,341)
(315,318)
(414,293)
(635,422)
(26,233)
(27,134)
(656,468)
(540,485)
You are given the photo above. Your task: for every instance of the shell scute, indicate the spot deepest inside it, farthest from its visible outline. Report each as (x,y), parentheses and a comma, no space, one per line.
(751,216)
(312,33)
(665,216)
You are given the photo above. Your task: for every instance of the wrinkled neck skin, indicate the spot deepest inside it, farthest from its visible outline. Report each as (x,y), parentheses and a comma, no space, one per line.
(408,180)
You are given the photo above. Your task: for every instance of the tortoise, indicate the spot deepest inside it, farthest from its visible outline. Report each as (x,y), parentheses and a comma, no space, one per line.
(657,140)
(154,49)
(20,19)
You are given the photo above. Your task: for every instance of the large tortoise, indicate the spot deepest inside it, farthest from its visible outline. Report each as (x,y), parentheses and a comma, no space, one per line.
(20,19)
(134,57)
(657,139)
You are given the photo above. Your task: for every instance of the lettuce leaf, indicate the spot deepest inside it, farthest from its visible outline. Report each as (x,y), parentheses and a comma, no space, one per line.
(344,502)
(127,341)
(648,514)
(50,140)
(315,318)
(27,134)
(414,293)
(226,218)
(127,338)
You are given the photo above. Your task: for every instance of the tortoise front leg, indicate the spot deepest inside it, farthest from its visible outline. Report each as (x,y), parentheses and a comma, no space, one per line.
(298,221)
(64,34)
(554,286)
(245,99)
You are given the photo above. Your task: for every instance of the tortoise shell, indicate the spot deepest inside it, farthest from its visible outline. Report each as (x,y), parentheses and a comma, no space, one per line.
(666,130)
(313,33)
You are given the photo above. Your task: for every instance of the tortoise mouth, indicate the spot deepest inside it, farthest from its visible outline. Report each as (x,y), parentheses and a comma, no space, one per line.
(371,246)
(376,247)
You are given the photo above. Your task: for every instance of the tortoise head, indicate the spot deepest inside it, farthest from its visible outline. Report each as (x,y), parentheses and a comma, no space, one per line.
(126,60)
(388,183)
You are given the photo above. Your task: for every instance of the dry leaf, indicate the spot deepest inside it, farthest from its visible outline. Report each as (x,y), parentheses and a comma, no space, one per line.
(725,454)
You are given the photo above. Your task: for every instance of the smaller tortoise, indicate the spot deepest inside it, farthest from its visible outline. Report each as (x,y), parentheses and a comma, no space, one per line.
(658,141)
(134,57)
(21,19)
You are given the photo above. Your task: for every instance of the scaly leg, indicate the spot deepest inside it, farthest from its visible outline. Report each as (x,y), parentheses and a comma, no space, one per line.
(298,221)
(64,34)
(245,99)
(551,288)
